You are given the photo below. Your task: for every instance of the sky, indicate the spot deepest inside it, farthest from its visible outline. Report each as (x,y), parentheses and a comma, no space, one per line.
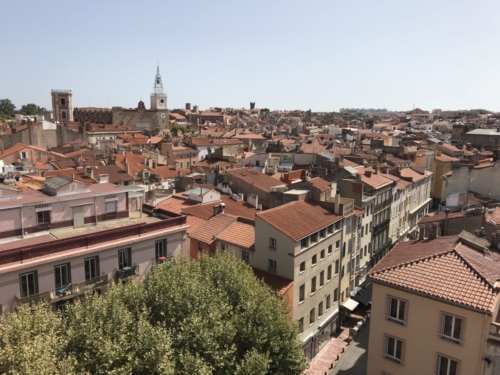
(318,55)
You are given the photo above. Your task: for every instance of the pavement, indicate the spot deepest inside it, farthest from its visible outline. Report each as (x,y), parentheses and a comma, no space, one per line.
(355,360)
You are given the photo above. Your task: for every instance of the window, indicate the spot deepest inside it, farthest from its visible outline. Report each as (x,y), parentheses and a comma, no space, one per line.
(271,264)
(223,247)
(337,265)
(43,217)
(330,228)
(302,293)
(320,309)
(313,285)
(312,316)
(336,295)
(24,155)
(322,233)
(337,245)
(396,310)
(91,268)
(393,349)
(451,328)
(272,243)
(349,245)
(314,237)
(302,266)
(337,225)
(322,278)
(28,283)
(322,254)
(343,250)
(63,113)
(330,249)
(329,273)
(342,297)
(314,260)
(124,258)
(348,225)
(245,256)
(342,272)
(301,325)
(200,246)
(63,101)
(447,366)
(111,207)
(160,249)
(62,276)
(328,298)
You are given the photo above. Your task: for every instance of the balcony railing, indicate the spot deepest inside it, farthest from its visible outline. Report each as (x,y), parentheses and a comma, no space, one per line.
(380,226)
(127,272)
(494,331)
(71,290)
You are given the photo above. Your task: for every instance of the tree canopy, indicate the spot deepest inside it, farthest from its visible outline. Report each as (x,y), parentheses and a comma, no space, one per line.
(175,129)
(204,317)
(7,108)
(31,109)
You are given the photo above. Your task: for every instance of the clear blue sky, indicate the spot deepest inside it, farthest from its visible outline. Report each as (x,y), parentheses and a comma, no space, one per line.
(322,55)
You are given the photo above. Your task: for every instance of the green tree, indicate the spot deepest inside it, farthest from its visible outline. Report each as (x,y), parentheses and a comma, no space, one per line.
(32,342)
(175,129)
(31,109)
(218,312)
(7,108)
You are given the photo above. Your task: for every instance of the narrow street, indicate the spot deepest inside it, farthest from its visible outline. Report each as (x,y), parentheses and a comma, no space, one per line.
(354,361)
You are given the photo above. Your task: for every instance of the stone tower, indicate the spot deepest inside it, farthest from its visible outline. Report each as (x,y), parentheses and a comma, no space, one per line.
(159,102)
(158,97)
(62,105)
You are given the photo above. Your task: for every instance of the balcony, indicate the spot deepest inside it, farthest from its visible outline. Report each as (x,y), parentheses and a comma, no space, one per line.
(384,246)
(494,332)
(380,226)
(127,272)
(382,205)
(67,292)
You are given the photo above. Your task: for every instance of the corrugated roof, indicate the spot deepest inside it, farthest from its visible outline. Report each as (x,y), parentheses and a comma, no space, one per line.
(57,182)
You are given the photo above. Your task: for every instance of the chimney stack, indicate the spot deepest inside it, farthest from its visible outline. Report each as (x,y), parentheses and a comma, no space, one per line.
(433,232)
(375,169)
(368,174)
(216,210)
(495,240)
(421,233)
(337,202)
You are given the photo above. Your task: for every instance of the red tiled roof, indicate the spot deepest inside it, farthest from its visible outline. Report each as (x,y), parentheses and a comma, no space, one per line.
(168,171)
(71,173)
(206,232)
(277,283)
(239,233)
(440,217)
(235,208)
(494,217)
(259,180)
(445,158)
(413,174)
(375,180)
(320,184)
(299,219)
(442,268)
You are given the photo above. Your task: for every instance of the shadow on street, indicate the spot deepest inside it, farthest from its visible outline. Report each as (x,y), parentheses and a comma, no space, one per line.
(355,360)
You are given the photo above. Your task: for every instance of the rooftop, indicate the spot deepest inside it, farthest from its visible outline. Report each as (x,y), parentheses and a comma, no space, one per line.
(259,180)
(442,268)
(277,283)
(299,219)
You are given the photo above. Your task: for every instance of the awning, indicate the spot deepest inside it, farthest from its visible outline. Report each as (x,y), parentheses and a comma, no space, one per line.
(364,296)
(350,304)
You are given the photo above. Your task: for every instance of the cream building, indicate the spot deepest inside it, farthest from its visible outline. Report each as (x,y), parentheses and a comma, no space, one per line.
(301,241)
(434,309)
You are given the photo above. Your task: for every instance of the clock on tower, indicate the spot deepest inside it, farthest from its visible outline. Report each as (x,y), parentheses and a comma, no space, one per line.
(158,97)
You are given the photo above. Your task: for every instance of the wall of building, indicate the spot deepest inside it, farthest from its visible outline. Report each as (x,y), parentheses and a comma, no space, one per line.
(142,250)
(422,342)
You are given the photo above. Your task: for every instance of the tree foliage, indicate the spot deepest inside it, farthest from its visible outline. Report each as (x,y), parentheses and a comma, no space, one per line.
(7,108)
(175,129)
(205,317)
(31,109)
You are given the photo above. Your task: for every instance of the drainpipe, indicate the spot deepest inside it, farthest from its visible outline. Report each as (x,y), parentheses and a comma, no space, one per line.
(95,212)
(22,224)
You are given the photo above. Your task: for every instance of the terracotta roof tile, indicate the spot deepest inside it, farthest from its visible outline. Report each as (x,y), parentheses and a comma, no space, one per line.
(320,184)
(442,268)
(239,233)
(259,180)
(493,217)
(299,219)
(206,232)
(277,283)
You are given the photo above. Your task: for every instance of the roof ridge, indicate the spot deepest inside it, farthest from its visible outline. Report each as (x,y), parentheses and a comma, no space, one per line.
(455,249)
(277,207)
(229,223)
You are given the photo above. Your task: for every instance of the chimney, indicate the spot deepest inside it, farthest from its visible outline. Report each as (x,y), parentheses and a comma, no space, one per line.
(179,174)
(421,233)
(358,177)
(375,169)
(154,164)
(337,202)
(222,207)
(188,106)
(368,174)
(216,210)
(150,162)
(433,232)
(125,165)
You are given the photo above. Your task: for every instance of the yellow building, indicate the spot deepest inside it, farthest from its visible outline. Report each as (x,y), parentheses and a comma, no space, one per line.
(434,309)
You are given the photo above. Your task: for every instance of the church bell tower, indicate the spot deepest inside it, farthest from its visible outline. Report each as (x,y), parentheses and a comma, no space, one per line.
(158,97)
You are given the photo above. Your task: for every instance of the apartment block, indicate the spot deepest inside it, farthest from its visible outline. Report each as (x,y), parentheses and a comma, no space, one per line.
(435,308)
(70,238)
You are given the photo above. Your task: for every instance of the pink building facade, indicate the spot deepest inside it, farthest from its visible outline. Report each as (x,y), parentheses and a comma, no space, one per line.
(71,239)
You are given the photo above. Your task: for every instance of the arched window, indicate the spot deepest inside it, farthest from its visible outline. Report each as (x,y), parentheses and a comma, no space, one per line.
(63,114)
